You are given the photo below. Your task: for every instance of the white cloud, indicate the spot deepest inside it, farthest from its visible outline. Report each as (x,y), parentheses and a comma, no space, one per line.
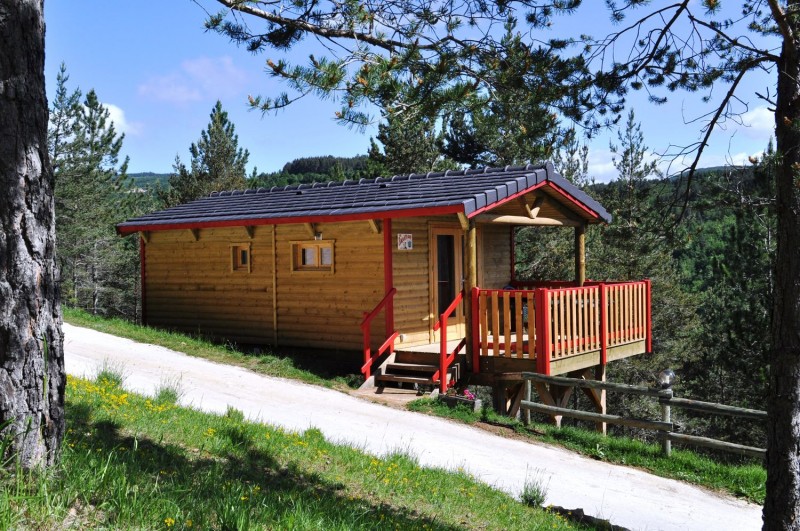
(171,88)
(758,123)
(195,80)
(741,158)
(121,124)
(601,165)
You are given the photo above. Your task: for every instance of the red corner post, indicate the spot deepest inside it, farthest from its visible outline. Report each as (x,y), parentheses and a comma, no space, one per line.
(649,318)
(388,277)
(543,338)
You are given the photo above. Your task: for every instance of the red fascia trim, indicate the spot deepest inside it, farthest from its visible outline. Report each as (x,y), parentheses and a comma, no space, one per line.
(506,199)
(555,187)
(404,213)
(577,203)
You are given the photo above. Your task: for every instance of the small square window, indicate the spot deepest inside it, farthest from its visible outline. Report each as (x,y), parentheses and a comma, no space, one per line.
(314,255)
(240,257)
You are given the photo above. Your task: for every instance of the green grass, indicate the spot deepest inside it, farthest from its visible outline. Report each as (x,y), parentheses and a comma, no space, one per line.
(743,480)
(133,462)
(269,364)
(746,481)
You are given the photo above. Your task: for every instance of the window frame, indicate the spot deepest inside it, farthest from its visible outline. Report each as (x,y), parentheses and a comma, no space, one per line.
(297,248)
(236,262)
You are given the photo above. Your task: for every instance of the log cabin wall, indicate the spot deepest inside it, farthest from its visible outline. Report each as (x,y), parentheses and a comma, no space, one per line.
(412,316)
(191,286)
(322,309)
(412,311)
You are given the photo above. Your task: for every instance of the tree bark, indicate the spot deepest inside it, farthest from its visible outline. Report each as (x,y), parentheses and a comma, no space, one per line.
(782,504)
(32,376)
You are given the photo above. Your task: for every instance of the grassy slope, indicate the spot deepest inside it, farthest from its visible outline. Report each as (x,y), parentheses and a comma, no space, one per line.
(747,481)
(135,462)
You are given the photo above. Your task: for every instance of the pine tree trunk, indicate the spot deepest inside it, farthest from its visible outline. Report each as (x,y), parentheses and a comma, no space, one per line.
(782,504)
(31,347)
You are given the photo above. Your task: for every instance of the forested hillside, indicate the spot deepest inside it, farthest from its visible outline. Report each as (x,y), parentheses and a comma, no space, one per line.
(149,179)
(707,245)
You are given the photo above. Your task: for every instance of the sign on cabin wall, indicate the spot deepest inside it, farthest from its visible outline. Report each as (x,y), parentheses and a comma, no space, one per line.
(405,242)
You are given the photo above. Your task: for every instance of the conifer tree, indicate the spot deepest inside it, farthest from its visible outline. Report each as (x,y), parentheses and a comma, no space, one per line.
(217,163)
(571,159)
(93,192)
(410,144)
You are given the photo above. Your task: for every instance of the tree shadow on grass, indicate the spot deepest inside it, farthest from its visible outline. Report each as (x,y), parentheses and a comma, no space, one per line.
(239,488)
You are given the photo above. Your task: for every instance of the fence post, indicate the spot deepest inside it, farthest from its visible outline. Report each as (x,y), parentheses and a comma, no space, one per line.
(526,415)
(666,416)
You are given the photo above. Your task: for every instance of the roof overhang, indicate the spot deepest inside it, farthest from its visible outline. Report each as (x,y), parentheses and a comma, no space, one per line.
(126,229)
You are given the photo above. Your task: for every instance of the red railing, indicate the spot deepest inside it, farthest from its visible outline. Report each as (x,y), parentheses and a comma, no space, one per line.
(557,322)
(369,358)
(446,358)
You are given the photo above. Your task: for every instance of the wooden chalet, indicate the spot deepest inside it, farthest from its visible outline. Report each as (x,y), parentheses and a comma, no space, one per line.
(414,271)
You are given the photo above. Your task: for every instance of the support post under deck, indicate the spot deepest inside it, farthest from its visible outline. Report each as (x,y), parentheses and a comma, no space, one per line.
(470,282)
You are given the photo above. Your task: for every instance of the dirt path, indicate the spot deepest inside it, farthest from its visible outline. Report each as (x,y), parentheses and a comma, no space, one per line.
(625,496)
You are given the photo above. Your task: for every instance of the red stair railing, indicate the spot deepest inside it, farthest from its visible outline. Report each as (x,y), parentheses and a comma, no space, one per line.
(446,358)
(369,358)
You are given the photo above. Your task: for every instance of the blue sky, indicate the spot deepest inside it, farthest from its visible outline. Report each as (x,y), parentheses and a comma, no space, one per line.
(157,70)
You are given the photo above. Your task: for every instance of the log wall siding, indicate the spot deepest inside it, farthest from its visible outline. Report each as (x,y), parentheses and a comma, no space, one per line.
(412,313)
(412,316)
(191,287)
(323,309)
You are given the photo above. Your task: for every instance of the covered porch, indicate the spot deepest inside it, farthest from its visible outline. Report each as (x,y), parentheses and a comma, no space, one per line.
(547,328)
(486,333)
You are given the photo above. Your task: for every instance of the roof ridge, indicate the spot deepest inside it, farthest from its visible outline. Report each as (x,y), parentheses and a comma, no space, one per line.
(380,179)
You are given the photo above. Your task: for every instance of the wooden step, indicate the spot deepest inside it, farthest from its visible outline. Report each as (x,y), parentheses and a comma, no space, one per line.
(422,358)
(403,379)
(411,367)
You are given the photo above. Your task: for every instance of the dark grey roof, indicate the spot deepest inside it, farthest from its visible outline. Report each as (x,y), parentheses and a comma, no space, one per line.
(467,191)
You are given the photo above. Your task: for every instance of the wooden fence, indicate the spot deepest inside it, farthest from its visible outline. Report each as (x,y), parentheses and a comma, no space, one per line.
(665,427)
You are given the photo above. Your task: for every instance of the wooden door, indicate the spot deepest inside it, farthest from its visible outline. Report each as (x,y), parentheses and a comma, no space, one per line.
(447,278)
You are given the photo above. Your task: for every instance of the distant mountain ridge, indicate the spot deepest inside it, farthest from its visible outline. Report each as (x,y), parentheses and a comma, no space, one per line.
(147,179)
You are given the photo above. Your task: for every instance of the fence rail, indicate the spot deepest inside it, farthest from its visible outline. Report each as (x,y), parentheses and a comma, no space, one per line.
(665,427)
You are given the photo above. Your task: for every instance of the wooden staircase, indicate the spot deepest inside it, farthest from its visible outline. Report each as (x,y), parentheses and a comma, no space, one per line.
(410,368)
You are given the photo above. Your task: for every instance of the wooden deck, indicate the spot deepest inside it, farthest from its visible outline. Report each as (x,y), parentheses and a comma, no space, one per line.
(549,330)
(430,348)
(562,328)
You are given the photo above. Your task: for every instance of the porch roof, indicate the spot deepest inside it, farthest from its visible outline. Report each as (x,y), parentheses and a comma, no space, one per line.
(468,192)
